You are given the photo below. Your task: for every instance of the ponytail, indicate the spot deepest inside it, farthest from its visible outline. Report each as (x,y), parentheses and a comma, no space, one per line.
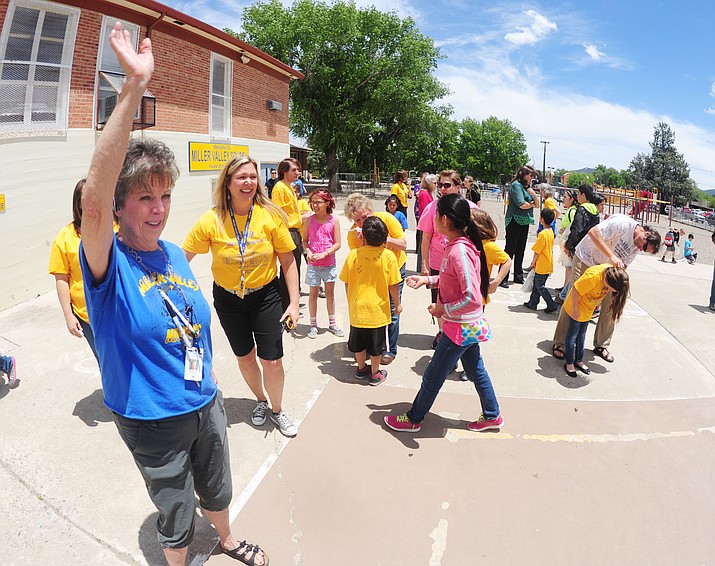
(456,208)
(617,277)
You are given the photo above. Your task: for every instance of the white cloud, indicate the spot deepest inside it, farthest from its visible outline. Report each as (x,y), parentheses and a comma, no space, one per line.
(593,52)
(538,29)
(583,131)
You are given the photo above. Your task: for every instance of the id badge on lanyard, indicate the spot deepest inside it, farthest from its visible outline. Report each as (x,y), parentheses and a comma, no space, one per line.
(194,364)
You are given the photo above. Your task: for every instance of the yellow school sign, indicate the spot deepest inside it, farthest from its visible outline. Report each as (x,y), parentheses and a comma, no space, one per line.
(212,156)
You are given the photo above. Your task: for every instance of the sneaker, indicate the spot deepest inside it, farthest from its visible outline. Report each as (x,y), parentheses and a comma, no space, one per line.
(378,378)
(482,424)
(662,259)
(336,330)
(530,306)
(321,292)
(401,423)
(313,332)
(284,424)
(463,376)
(436,340)
(712,306)
(504,284)
(12,374)
(673,261)
(258,417)
(362,373)
(550,310)
(558,300)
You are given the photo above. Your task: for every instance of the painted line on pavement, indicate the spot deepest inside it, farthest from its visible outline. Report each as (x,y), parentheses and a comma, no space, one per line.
(456,435)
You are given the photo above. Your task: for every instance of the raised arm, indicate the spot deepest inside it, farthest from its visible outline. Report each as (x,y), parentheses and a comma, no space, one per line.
(108,157)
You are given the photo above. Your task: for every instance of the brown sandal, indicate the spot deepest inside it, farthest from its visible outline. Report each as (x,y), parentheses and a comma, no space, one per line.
(247,553)
(558,352)
(603,353)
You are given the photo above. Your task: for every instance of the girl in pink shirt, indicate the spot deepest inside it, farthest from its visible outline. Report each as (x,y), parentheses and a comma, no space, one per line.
(462,283)
(321,239)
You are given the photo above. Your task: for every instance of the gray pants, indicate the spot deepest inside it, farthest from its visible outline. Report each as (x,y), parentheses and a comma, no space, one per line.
(605,325)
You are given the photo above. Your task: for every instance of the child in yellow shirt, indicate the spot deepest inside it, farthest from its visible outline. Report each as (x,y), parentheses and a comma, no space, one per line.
(371,278)
(584,296)
(543,264)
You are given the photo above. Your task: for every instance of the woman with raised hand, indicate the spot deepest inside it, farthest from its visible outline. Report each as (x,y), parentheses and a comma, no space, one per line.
(152,326)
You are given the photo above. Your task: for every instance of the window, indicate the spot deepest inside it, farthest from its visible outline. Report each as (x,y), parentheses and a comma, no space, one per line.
(35,65)
(220,109)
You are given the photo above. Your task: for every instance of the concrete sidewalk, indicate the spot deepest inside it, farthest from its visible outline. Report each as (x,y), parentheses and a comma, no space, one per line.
(612,468)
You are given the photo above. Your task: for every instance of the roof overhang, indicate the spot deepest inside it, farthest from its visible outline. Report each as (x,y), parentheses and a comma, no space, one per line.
(156,16)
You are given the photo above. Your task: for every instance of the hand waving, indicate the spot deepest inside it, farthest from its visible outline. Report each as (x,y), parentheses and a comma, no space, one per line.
(138,67)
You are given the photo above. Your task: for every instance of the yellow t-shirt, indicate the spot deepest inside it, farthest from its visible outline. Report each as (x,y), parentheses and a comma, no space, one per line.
(401,190)
(544,246)
(591,288)
(64,260)
(303,206)
(369,271)
(394,230)
(267,236)
(495,256)
(550,203)
(283,196)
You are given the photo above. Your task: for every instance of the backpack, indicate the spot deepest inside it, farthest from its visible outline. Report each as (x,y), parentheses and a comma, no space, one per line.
(668,240)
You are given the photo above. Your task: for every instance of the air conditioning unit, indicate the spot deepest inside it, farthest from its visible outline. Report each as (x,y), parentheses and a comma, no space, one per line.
(106,107)
(274,105)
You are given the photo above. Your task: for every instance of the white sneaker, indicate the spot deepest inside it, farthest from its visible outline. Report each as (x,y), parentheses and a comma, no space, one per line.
(258,417)
(284,424)
(313,332)
(336,330)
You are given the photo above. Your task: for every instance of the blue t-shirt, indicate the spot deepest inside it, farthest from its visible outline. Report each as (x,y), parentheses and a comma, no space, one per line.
(687,252)
(401,218)
(141,355)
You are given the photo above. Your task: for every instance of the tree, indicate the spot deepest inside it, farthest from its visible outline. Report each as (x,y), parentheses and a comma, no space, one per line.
(368,75)
(665,169)
(491,148)
(576,179)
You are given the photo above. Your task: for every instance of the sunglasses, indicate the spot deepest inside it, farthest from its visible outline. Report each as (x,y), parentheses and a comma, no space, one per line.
(445,185)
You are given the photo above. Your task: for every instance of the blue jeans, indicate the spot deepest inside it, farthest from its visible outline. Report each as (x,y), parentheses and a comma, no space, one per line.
(5,364)
(565,290)
(444,359)
(89,335)
(712,289)
(539,290)
(575,340)
(393,330)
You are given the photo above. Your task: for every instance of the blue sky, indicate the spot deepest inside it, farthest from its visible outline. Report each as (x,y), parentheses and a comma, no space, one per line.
(592,78)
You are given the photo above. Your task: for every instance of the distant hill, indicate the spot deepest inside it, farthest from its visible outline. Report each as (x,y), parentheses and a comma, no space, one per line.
(586,170)
(710,192)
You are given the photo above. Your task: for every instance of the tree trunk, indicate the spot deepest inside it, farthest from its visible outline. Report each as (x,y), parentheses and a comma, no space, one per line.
(333,165)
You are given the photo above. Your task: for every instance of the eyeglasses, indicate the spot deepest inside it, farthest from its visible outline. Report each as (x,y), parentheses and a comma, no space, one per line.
(317,202)
(445,185)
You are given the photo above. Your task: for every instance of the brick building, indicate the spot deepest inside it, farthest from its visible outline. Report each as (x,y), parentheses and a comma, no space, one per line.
(211,96)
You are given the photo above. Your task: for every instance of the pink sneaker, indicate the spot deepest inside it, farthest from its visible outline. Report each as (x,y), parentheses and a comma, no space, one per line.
(482,424)
(401,423)
(378,378)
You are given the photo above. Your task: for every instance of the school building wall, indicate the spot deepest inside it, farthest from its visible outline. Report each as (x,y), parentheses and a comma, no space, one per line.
(38,174)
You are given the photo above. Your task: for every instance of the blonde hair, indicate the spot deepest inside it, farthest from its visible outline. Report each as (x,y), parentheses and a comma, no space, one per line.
(452,174)
(221,195)
(485,225)
(355,202)
(617,277)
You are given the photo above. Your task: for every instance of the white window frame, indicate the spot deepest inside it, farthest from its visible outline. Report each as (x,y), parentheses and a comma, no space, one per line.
(222,100)
(32,86)
(106,91)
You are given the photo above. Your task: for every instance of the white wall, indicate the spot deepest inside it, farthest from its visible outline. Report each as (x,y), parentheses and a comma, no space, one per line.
(37,177)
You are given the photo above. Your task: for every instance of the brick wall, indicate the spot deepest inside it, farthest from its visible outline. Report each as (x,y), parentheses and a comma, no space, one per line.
(181,87)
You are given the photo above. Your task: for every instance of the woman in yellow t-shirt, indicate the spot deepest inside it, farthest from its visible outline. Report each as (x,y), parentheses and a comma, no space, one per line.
(402,190)
(585,295)
(64,265)
(357,208)
(246,234)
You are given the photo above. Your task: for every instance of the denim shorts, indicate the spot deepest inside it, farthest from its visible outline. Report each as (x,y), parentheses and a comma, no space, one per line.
(316,274)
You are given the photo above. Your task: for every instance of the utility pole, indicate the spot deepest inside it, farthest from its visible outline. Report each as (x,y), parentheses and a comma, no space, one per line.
(543,170)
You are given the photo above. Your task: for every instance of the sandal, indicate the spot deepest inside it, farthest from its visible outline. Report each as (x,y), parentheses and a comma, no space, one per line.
(603,353)
(246,553)
(558,352)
